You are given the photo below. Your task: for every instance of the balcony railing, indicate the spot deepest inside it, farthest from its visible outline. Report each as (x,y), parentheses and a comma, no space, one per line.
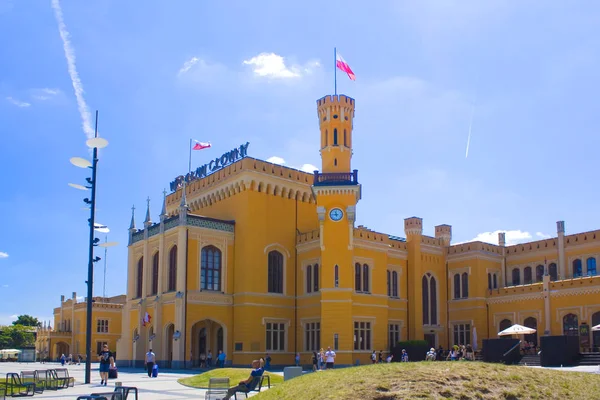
(336,178)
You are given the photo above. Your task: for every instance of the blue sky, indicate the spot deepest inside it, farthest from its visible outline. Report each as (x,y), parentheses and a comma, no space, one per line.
(529,70)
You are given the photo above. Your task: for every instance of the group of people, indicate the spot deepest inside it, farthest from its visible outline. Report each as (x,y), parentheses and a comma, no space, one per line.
(70,360)
(456,353)
(321,359)
(378,359)
(206,360)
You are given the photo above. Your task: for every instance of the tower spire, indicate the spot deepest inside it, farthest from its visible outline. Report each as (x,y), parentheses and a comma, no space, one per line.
(163,212)
(132,224)
(183,199)
(148,220)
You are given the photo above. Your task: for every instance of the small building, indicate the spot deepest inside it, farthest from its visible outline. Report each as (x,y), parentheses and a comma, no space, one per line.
(69,334)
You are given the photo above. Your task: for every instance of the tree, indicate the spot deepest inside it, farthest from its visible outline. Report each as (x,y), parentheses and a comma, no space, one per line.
(15,337)
(27,320)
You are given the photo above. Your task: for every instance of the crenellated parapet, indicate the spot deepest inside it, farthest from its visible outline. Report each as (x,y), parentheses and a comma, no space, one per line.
(413,226)
(191,220)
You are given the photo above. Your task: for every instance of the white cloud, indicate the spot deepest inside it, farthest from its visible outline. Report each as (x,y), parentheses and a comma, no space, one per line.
(79,298)
(188,65)
(18,103)
(4,286)
(44,94)
(512,237)
(15,316)
(272,65)
(3,254)
(84,112)
(305,167)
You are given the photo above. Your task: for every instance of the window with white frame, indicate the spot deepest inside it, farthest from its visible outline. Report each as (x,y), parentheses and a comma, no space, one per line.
(275,336)
(312,336)
(312,278)
(393,335)
(102,326)
(462,334)
(361,278)
(392,283)
(461,285)
(362,335)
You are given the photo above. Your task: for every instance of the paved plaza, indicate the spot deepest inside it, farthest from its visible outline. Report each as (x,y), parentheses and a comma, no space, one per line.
(165,386)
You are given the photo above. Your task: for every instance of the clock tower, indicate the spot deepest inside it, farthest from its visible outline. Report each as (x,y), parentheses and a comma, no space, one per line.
(337,191)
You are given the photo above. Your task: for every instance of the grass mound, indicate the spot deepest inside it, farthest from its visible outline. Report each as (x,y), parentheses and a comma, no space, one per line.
(235,375)
(437,380)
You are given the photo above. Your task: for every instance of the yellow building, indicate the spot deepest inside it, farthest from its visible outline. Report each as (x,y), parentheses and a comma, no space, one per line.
(68,335)
(250,257)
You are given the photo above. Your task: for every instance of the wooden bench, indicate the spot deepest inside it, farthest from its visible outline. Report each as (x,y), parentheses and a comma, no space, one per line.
(259,386)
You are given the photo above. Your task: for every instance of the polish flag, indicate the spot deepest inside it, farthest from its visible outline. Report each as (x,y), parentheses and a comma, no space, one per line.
(201,145)
(343,65)
(146,319)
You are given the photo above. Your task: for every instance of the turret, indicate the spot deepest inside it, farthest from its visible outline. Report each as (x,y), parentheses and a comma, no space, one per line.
(444,234)
(336,115)
(413,227)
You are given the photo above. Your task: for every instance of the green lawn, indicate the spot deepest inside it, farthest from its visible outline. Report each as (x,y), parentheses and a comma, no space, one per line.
(438,380)
(235,375)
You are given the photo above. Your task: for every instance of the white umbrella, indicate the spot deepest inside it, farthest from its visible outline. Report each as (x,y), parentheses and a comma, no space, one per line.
(474,338)
(596,328)
(517,329)
(10,351)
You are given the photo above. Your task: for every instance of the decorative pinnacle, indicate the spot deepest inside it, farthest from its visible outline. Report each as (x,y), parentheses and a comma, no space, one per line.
(132,224)
(148,220)
(164,207)
(183,199)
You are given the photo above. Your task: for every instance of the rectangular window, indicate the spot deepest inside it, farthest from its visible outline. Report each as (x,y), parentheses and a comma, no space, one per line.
(394,284)
(394,335)
(312,336)
(102,326)
(462,334)
(362,336)
(99,346)
(275,336)
(309,279)
(389,283)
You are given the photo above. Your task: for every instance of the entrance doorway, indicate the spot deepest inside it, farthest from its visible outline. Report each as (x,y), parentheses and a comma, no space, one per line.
(207,335)
(169,345)
(430,339)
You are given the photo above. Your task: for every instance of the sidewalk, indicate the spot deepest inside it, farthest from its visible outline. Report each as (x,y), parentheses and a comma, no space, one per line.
(165,386)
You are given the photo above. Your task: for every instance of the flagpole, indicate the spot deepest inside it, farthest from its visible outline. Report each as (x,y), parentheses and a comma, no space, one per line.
(335,70)
(190,162)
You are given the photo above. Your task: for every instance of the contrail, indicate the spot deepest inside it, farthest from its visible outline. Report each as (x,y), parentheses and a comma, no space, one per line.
(70,56)
(470,126)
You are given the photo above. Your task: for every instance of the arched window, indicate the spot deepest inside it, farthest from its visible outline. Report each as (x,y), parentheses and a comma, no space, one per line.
(553,271)
(335,142)
(495,281)
(357,278)
(591,266)
(172,282)
(336,276)
(140,278)
(489,281)
(570,325)
(210,278)
(505,324)
(309,279)
(316,278)
(527,276)
(539,273)
(457,286)
(577,268)
(365,278)
(389,282)
(155,273)
(275,272)
(516,276)
(465,285)
(429,289)
(394,284)
(345,141)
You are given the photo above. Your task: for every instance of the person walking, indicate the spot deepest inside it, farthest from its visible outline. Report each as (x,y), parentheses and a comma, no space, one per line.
(150,360)
(106,361)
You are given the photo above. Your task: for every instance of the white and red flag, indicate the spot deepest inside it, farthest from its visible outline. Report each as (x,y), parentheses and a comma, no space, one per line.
(343,65)
(146,319)
(201,145)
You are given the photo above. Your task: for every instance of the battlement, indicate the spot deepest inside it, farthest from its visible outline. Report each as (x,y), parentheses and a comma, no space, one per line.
(364,233)
(413,226)
(475,246)
(336,108)
(581,238)
(332,99)
(531,246)
(307,237)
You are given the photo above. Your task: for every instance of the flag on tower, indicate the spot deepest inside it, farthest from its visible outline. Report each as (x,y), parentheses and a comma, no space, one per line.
(201,145)
(343,65)
(146,319)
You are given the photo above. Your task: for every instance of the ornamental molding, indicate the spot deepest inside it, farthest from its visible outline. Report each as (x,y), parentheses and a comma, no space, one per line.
(575,291)
(371,245)
(308,246)
(398,254)
(432,249)
(277,246)
(474,255)
(337,190)
(453,271)
(516,297)
(210,298)
(364,260)
(538,254)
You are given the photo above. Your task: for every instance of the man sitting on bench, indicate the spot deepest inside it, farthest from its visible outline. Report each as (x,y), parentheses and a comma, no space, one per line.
(250,383)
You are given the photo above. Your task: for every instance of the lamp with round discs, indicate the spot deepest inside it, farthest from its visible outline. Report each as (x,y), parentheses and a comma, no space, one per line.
(78,186)
(80,162)
(97,142)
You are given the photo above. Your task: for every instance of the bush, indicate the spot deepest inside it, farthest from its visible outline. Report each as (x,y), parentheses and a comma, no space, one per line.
(412,343)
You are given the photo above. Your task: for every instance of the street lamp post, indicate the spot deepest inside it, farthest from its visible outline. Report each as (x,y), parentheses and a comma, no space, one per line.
(95,143)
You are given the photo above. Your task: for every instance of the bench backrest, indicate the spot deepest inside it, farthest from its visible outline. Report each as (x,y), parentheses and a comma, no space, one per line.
(27,376)
(218,383)
(62,372)
(256,383)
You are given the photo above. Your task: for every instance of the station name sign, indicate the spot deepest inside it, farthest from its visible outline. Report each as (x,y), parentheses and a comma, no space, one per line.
(213,166)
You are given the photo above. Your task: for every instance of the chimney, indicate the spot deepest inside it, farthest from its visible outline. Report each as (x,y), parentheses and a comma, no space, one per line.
(502,239)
